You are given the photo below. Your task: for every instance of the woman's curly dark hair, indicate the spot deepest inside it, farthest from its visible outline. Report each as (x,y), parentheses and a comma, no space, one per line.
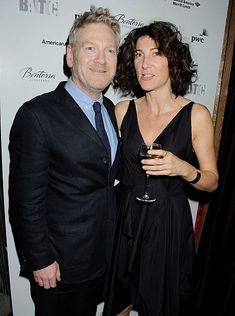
(168,39)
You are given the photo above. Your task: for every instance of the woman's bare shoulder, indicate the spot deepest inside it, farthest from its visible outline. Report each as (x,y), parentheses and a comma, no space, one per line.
(120,110)
(200,111)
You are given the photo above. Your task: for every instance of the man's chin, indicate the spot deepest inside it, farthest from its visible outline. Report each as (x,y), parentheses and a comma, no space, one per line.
(101,87)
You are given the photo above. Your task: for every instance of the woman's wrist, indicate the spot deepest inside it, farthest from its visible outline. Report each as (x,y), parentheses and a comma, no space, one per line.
(196,178)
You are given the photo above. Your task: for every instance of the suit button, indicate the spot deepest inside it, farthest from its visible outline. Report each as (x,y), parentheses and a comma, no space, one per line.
(105,161)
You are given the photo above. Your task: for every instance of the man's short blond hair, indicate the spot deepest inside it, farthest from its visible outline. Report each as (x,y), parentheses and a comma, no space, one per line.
(99,15)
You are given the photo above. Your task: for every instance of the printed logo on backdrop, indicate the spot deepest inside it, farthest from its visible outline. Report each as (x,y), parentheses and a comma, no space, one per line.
(29,73)
(53,43)
(197,89)
(186,4)
(126,21)
(201,38)
(48,7)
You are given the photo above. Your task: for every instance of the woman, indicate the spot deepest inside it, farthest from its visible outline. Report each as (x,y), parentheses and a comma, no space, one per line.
(154,253)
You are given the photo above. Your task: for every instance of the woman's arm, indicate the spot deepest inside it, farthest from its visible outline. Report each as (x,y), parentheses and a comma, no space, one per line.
(203,144)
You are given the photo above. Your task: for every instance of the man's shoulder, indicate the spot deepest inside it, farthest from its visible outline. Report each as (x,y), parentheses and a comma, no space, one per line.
(50,97)
(50,94)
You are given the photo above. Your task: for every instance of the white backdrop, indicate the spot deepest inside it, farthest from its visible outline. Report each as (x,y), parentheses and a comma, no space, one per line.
(33,34)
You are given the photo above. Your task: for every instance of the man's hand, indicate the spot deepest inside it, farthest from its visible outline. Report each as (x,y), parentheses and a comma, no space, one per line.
(48,277)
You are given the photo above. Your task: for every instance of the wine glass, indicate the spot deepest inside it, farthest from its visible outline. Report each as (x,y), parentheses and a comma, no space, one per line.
(146,197)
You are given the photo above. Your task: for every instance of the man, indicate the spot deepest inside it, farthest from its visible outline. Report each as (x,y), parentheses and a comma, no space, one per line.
(61,184)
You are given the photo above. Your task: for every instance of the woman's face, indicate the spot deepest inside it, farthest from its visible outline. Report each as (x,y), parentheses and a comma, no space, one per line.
(151,68)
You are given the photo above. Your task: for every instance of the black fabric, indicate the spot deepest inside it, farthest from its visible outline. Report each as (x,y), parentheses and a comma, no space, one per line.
(68,299)
(215,260)
(62,201)
(154,247)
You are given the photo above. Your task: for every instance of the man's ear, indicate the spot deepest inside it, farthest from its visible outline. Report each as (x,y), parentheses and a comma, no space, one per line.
(69,56)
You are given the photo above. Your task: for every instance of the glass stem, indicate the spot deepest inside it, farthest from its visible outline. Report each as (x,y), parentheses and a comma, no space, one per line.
(146,194)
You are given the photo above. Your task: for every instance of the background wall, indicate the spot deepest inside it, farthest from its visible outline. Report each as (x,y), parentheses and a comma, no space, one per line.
(33,35)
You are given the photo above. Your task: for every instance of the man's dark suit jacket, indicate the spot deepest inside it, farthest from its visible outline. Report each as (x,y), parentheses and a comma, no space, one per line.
(61,190)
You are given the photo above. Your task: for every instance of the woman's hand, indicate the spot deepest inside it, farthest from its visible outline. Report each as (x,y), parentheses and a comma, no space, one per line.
(166,163)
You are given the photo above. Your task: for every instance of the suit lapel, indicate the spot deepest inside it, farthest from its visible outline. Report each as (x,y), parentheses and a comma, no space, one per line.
(76,116)
(79,122)
(114,122)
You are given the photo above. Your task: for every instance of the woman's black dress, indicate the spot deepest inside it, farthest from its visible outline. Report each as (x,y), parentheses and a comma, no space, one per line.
(154,250)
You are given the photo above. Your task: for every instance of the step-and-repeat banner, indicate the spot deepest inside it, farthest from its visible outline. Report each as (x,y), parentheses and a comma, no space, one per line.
(33,35)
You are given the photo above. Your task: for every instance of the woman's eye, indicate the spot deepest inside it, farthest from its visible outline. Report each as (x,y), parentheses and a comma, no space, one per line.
(156,53)
(137,54)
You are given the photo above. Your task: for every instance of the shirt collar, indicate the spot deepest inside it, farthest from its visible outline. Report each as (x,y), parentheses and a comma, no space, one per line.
(79,96)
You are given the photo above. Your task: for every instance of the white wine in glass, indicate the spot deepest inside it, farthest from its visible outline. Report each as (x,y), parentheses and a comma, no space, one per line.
(144,148)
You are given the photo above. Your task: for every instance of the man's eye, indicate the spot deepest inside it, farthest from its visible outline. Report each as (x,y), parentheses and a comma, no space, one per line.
(90,49)
(111,51)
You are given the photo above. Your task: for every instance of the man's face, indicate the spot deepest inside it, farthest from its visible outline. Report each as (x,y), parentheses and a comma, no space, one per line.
(93,58)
